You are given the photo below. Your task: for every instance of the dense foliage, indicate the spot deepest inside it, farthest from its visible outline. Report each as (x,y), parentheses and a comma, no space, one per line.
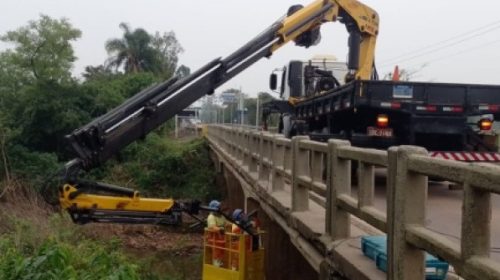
(57,249)
(139,51)
(41,102)
(162,167)
(59,260)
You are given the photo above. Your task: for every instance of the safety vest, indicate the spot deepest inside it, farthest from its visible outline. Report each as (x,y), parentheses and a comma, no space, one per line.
(216,221)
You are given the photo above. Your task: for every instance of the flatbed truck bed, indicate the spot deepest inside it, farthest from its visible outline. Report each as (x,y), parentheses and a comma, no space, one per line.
(433,115)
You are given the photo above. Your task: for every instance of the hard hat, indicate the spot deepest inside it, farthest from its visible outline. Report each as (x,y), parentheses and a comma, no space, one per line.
(237,214)
(214,204)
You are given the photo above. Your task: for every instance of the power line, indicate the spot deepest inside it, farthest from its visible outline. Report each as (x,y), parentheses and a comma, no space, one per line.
(457,53)
(445,41)
(434,47)
(445,46)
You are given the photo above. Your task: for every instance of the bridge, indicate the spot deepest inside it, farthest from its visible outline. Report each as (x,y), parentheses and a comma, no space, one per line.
(304,189)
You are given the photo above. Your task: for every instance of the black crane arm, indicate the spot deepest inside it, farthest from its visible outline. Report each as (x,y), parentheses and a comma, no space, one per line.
(102,138)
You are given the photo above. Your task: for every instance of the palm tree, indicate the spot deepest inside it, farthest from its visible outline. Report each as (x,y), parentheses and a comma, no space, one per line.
(133,51)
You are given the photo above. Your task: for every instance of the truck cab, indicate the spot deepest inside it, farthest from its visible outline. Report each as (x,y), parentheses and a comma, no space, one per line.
(300,80)
(303,79)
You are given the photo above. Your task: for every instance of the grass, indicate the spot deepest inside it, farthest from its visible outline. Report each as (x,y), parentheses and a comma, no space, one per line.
(39,244)
(62,260)
(59,251)
(36,243)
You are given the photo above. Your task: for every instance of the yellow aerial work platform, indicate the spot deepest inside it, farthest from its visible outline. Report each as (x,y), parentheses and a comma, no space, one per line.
(229,256)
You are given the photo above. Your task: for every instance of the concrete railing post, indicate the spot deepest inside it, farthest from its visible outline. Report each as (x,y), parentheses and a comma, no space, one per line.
(278,156)
(300,162)
(288,154)
(264,158)
(225,138)
(245,150)
(407,195)
(239,145)
(219,133)
(253,148)
(338,221)
(317,166)
(476,222)
(230,137)
(366,184)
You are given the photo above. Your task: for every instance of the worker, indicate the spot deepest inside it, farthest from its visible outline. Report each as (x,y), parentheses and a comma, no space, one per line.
(216,223)
(242,221)
(240,228)
(215,219)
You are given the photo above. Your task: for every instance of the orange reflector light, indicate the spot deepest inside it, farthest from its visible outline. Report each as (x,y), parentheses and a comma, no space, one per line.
(485,124)
(382,121)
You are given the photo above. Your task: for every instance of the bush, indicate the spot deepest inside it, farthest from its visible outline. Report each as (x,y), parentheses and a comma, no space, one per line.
(31,166)
(162,167)
(30,251)
(54,260)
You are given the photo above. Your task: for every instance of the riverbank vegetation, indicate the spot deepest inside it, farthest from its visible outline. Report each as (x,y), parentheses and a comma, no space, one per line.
(41,101)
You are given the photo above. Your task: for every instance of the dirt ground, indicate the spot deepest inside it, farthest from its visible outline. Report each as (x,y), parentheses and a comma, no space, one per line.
(174,252)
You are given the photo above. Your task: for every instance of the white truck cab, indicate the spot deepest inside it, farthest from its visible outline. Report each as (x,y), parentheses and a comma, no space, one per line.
(303,79)
(300,80)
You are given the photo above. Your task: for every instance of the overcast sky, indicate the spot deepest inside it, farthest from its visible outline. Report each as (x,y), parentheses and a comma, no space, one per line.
(209,29)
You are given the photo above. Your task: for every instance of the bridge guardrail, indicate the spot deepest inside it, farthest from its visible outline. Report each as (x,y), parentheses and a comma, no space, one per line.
(322,172)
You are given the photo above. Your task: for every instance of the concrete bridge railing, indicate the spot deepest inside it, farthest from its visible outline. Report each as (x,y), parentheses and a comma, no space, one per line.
(321,172)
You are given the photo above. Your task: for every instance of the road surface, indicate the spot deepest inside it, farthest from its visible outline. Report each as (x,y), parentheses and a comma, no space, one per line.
(444,210)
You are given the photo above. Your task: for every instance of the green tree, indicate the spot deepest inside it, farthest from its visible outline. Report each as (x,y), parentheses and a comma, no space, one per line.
(12,77)
(134,51)
(39,99)
(182,71)
(167,50)
(97,72)
(251,105)
(109,90)
(139,51)
(43,49)
(5,134)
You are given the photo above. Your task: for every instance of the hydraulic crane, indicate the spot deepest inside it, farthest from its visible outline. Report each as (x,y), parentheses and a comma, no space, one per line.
(96,142)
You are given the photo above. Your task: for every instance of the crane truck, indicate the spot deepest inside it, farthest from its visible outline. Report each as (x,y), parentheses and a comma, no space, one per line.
(452,121)
(96,142)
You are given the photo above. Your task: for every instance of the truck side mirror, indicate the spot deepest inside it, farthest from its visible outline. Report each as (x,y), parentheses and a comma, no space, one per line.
(273,81)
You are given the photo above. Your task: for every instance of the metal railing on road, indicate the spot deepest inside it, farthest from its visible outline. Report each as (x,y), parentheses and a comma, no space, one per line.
(322,172)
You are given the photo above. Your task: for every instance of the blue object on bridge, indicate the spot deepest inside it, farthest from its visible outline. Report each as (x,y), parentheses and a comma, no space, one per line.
(375,247)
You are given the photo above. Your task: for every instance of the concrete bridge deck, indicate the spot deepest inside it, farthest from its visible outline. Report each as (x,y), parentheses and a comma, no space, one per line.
(304,187)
